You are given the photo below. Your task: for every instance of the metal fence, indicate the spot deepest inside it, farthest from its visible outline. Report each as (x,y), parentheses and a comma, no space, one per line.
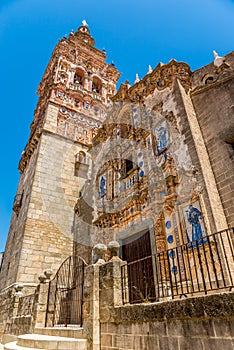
(199,267)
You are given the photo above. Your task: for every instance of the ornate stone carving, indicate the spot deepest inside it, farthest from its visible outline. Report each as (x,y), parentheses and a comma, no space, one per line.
(162,77)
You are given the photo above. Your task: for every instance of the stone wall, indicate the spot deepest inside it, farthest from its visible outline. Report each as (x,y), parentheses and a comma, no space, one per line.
(21,312)
(44,227)
(12,254)
(6,308)
(217,125)
(20,325)
(198,322)
(194,323)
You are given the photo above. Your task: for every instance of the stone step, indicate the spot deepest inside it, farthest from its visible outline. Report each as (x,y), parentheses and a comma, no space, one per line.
(46,342)
(8,338)
(14,346)
(69,332)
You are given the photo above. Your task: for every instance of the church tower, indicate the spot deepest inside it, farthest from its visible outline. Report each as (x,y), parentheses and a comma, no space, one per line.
(73,97)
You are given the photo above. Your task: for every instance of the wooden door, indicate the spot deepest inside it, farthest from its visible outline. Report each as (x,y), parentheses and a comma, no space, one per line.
(136,250)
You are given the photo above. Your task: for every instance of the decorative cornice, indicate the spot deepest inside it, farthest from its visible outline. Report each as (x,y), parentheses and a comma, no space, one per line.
(29,149)
(162,77)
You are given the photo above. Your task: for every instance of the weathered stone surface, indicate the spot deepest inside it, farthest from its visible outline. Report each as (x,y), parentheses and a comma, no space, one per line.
(202,322)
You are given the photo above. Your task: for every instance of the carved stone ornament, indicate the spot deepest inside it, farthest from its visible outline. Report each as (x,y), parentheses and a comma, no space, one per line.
(114,247)
(162,77)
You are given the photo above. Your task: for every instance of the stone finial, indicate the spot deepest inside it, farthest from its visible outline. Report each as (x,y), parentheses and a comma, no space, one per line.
(18,288)
(48,273)
(137,79)
(127,83)
(114,249)
(99,251)
(218,60)
(42,278)
(84,23)
(150,70)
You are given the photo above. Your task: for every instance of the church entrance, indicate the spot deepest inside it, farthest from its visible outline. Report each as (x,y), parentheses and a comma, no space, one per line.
(136,250)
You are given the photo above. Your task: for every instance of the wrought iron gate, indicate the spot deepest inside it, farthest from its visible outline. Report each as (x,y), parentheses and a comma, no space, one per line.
(65,295)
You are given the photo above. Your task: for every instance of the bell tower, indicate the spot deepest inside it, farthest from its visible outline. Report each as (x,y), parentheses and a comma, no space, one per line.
(73,97)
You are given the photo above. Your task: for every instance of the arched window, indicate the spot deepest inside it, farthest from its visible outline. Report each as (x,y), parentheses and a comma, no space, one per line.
(81,164)
(82,157)
(63,66)
(79,76)
(97,85)
(207,79)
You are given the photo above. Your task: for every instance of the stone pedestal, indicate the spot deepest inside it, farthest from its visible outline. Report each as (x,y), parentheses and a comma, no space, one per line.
(41,304)
(111,294)
(91,316)
(102,291)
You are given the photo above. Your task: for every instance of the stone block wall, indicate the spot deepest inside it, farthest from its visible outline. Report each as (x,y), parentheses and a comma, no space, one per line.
(45,235)
(216,121)
(184,108)
(204,323)
(12,254)
(20,325)
(41,234)
(6,308)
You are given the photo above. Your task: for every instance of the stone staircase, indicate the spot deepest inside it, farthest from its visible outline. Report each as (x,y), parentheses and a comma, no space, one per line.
(50,339)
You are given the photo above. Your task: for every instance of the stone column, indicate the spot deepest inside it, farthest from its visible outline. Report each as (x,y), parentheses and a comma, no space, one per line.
(86,82)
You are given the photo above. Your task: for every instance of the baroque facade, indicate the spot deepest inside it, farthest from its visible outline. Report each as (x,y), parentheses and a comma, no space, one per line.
(150,167)
(157,182)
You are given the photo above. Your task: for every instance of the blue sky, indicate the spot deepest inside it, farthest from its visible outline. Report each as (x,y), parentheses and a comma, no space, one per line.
(134,33)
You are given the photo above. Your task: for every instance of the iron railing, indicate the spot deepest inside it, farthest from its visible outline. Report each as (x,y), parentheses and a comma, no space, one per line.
(25,306)
(202,266)
(65,295)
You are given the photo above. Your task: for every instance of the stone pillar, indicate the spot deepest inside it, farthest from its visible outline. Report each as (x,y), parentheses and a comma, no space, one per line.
(113,282)
(91,314)
(111,293)
(102,291)
(15,305)
(16,298)
(86,82)
(91,317)
(41,299)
